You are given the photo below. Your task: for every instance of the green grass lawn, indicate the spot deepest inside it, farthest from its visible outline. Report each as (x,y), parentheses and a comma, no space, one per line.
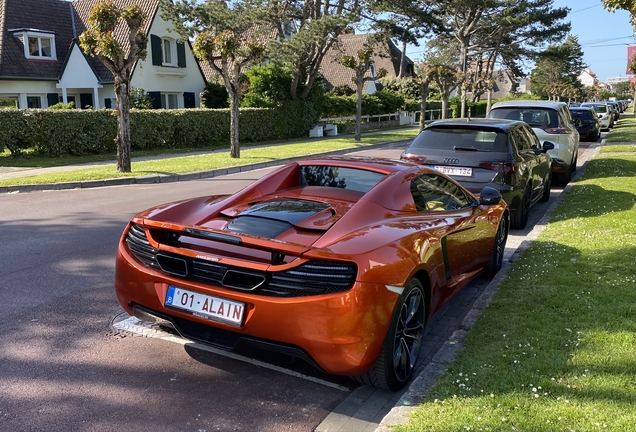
(556,348)
(624,131)
(215,159)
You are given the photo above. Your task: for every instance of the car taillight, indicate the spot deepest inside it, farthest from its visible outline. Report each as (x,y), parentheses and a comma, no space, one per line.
(557,130)
(413,158)
(504,167)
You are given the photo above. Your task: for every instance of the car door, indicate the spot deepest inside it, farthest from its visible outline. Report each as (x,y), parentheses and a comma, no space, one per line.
(540,169)
(465,245)
(527,159)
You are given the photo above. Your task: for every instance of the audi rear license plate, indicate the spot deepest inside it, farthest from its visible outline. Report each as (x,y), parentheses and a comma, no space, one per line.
(205,306)
(457,171)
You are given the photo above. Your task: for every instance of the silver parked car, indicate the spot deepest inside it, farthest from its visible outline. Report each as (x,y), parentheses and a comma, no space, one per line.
(604,113)
(552,122)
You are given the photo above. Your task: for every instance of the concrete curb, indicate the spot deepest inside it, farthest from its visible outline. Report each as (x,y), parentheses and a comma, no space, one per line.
(418,389)
(169,178)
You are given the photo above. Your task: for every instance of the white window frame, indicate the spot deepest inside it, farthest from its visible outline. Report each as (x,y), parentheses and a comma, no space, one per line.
(39,35)
(172,46)
(165,99)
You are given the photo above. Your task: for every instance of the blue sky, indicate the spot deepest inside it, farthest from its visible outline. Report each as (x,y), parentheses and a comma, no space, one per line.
(604,37)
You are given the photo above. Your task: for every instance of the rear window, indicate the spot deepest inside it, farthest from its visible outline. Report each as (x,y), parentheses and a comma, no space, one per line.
(602,109)
(460,139)
(339,177)
(581,115)
(536,117)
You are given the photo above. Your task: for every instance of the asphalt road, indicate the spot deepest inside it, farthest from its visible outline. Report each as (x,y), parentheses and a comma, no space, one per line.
(63,367)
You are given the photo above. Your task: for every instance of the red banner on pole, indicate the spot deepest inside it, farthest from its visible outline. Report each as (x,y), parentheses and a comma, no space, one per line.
(631,51)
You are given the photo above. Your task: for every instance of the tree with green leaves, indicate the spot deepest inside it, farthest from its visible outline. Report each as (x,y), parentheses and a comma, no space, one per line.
(362,64)
(306,32)
(558,67)
(404,20)
(99,41)
(505,31)
(229,35)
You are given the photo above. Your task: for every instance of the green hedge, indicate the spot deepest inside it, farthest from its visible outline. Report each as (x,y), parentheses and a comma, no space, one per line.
(80,132)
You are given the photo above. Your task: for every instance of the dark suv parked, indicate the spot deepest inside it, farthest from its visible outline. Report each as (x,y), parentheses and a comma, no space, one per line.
(586,122)
(503,154)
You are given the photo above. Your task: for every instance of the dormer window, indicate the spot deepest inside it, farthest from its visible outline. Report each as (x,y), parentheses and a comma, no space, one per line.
(41,47)
(38,44)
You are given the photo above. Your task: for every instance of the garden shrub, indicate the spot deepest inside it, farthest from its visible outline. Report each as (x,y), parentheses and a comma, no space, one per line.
(81,132)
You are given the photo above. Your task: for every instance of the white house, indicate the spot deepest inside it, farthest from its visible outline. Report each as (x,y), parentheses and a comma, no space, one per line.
(42,64)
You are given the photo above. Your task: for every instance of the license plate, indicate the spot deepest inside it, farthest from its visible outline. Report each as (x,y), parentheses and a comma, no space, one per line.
(205,306)
(458,171)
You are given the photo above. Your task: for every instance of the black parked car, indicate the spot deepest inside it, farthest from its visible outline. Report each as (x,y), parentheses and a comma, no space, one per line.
(587,123)
(503,154)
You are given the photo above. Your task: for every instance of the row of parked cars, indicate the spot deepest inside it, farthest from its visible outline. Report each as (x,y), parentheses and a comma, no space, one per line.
(590,118)
(519,149)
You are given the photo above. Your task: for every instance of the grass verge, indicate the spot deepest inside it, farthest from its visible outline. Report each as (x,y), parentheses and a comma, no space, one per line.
(624,131)
(556,348)
(215,159)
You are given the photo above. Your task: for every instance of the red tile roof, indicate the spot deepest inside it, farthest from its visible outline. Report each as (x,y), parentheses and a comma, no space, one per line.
(386,55)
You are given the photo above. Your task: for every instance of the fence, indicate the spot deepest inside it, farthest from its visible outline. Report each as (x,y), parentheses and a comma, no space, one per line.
(404,117)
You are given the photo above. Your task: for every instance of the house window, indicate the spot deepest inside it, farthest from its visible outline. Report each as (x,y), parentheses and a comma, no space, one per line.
(40,47)
(169,52)
(34,102)
(8,103)
(169,100)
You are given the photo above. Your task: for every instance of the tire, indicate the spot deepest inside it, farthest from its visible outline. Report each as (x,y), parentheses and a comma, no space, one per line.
(401,348)
(545,196)
(564,177)
(520,217)
(498,249)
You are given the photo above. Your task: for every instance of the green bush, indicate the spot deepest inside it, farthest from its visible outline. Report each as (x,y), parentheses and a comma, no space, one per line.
(80,132)
(215,96)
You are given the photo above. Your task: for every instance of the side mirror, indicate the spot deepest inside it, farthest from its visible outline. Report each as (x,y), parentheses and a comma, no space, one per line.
(489,196)
(547,145)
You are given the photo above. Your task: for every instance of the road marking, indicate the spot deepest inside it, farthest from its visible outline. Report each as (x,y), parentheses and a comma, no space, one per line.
(147,329)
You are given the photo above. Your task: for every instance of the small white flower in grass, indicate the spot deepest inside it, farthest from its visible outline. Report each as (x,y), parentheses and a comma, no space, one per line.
(492,395)
(534,389)
(536,396)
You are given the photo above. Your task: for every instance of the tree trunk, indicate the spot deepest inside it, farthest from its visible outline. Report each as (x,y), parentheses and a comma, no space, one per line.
(235,149)
(463,104)
(122,141)
(444,104)
(359,85)
(489,103)
(423,96)
(402,72)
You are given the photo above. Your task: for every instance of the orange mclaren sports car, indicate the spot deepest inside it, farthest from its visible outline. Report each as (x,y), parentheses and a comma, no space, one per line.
(338,261)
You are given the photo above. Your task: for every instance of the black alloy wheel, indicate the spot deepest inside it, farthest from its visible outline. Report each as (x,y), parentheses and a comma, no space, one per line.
(401,349)
(499,248)
(520,217)
(545,196)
